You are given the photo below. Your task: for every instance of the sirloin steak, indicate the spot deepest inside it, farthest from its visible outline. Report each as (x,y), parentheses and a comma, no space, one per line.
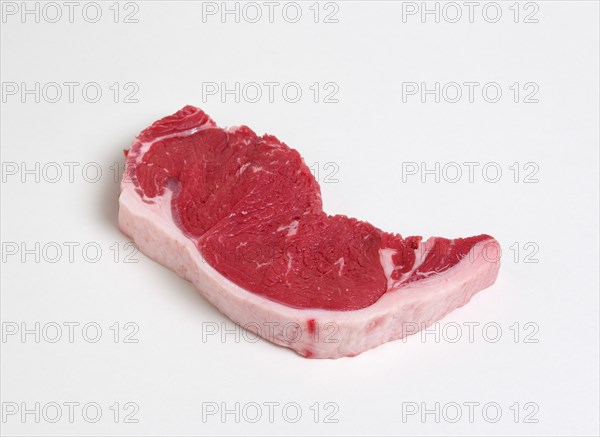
(241,217)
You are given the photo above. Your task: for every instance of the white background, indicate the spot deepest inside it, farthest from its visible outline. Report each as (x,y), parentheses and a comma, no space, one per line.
(172,371)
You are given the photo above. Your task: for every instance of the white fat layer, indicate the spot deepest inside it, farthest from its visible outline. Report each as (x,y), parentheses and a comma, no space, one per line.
(164,206)
(385,258)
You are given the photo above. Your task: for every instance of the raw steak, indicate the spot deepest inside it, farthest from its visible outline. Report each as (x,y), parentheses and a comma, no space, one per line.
(241,217)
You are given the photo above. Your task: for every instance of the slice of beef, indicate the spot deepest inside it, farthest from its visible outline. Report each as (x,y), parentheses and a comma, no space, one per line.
(241,217)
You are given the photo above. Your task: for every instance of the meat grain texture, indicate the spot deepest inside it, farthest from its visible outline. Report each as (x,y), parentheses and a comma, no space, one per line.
(240,216)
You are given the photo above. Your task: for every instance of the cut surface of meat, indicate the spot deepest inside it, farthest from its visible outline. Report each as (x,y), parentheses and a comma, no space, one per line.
(241,216)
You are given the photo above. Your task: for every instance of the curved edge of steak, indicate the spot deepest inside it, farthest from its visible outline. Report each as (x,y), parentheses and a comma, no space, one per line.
(404,309)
